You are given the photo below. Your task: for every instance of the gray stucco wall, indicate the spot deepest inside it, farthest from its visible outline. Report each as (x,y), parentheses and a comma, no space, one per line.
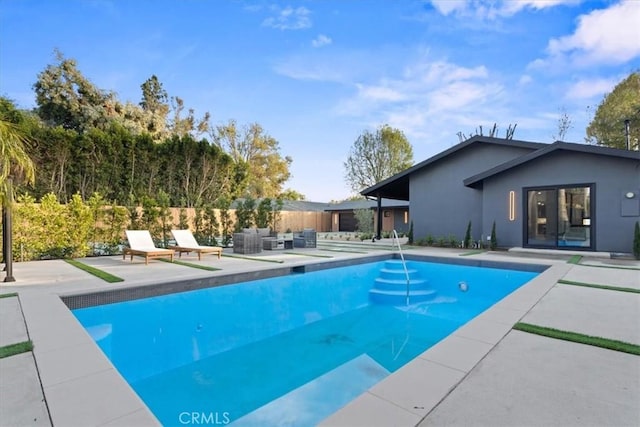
(440,203)
(398,221)
(612,176)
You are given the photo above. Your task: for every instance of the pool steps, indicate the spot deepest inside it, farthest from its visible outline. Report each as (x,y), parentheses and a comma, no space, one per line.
(390,287)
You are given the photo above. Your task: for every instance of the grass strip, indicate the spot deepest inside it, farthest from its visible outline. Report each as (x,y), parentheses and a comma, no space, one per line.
(110,278)
(575,259)
(343,250)
(190,264)
(610,267)
(12,294)
(476,252)
(13,349)
(277,261)
(311,255)
(593,285)
(607,343)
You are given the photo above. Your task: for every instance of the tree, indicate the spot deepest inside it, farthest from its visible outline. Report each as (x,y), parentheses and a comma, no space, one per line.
(608,125)
(154,97)
(467,236)
(66,98)
(264,213)
(14,162)
(266,170)
(364,220)
(564,125)
(14,159)
(493,239)
(290,194)
(245,214)
(155,102)
(377,156)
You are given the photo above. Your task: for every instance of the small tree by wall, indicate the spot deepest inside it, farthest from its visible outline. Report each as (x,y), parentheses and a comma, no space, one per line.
(183,219)
(636,241)
(150,218)
(211,226)
(410,234)
(494,239)
(226,220)
(135,214)
(245,214)
(165,216)
(277,214)
(264,213)
(364,220)
(467,236)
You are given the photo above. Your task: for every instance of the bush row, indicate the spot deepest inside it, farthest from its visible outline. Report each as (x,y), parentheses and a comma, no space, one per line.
(50,229)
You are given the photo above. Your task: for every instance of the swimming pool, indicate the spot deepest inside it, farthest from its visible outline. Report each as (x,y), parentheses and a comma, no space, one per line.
(289,350)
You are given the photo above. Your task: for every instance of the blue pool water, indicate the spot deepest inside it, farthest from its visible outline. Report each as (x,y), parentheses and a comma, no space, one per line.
(283,351)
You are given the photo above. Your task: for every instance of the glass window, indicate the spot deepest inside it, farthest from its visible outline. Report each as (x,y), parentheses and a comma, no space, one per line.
(559,217)
(541,221)
(574,226)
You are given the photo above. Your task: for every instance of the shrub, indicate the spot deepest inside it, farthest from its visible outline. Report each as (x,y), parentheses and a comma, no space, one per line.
(494,240)
(365,236)
(183,219)
(364,220)
(410,234)
(245,214)
(636,241)
(467,236)
(226,222)
(429,240)
(264,214)
(51,229)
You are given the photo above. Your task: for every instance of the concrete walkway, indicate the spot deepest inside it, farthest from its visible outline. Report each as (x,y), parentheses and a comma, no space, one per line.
(484,374)
(533,380)
(21,398)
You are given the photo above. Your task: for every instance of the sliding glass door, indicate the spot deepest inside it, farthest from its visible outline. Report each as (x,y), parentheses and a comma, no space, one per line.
(559,217)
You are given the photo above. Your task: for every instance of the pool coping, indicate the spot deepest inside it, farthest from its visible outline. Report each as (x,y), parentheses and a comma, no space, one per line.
(82,387)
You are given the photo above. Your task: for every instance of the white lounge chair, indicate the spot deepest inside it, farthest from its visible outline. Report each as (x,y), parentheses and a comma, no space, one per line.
(141,243)
(185,242)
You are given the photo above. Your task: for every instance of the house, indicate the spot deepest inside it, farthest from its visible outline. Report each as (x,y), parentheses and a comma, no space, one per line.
(394,214)
(560,195)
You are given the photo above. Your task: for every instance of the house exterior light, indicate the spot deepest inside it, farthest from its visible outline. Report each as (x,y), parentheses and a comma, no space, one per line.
(512,205)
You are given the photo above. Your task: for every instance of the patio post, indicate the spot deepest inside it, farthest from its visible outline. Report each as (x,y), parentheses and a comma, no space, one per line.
(379,225)
(6,234)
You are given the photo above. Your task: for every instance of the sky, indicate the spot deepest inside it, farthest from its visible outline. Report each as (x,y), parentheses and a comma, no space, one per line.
(317,74)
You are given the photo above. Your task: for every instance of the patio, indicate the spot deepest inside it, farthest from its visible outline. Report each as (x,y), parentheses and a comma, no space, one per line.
(484,374)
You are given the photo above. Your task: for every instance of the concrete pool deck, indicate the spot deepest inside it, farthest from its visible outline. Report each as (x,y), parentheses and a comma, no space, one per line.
(483,374)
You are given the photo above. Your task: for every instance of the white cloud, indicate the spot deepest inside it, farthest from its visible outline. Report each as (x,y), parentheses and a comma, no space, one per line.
(449,6)
(304,68)
(289,18)
(605,36)
(321,40)
(491,9)
(380,93)
(512,7)
(525,79)
(587,89)
(425,96)
(330,65)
